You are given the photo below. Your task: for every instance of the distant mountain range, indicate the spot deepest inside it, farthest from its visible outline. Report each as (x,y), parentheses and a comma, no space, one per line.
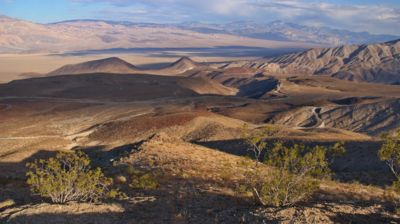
(77,35)
(282,31)
(20,36)
(276,30)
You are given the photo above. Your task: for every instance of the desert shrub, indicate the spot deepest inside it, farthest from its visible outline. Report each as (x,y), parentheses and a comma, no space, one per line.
(143,179)
(256,139)
(282,189)
(390,154)
(295,176)
(299,159)
(68,177)
(296,171)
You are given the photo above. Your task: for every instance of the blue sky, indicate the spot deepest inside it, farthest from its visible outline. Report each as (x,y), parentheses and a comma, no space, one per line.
(381,16)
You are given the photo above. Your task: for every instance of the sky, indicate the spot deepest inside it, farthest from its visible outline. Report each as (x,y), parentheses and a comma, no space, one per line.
(374,16)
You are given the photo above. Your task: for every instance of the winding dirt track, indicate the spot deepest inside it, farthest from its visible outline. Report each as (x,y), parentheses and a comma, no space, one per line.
(316,113)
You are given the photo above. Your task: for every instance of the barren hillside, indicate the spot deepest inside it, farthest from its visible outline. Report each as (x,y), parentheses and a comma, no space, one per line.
(107,65)
(366,63)
(112,87)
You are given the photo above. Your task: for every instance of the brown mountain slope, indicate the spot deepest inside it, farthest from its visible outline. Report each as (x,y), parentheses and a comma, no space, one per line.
(179,67)
(207,86)
(371,63)
(323,102)
(183,64)
(107,65)
(112,87)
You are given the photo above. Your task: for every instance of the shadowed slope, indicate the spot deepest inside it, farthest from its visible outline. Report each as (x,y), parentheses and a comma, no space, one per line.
(117,86)
(107,65)
(183,64)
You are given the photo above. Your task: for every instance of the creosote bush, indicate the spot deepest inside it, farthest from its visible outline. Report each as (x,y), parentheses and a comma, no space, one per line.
(390,153)
(68,177)
(257,139)
(281,189)
(295,172)
(143,179)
